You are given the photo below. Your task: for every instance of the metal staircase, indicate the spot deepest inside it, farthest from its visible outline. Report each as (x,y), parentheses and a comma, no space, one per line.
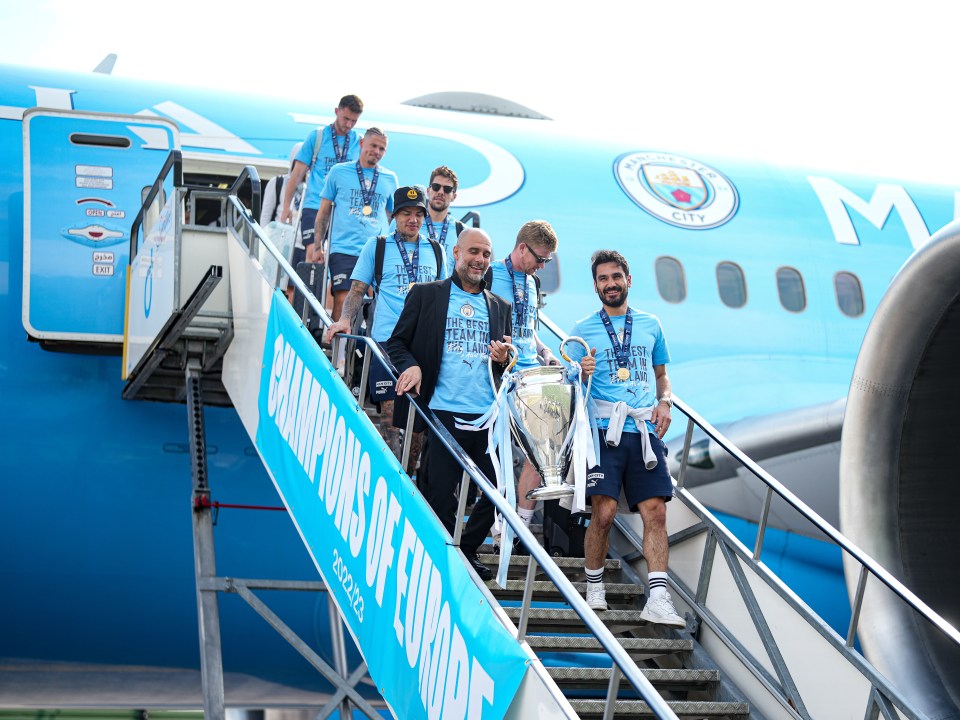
(751,648)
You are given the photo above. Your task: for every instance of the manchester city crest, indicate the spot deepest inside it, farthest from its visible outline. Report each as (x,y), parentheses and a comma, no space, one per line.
(467,310)
(676,189)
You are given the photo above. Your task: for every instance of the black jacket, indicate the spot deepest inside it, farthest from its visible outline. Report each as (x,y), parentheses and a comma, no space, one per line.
(418,335)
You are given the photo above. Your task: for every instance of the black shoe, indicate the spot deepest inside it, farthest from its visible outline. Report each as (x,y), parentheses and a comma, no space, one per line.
(482,570)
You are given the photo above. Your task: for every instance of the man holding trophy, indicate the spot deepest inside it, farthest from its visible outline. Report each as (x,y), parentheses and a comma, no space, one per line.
(631,392)
(513,279)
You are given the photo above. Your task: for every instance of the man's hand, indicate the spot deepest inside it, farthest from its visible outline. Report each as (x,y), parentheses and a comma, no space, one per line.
(286,215)
(340,326)
(409,380)
(548,357)
(588,364)
(315,252)
(661,418)
(499,352)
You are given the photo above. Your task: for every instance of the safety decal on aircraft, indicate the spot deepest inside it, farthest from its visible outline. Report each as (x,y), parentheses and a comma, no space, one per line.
(677,190)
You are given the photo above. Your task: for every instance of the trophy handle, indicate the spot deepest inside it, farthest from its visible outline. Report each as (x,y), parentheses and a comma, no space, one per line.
(574,338)
(511,350)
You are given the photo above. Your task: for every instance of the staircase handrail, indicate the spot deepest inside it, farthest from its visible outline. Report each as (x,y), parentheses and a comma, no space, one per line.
(619,656)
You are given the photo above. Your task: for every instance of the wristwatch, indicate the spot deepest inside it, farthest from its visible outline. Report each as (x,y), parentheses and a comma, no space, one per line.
(667,399)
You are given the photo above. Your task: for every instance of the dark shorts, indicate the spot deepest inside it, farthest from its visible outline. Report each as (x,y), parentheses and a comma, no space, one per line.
(623,466)
(341,268)
(379,383)
(308,218)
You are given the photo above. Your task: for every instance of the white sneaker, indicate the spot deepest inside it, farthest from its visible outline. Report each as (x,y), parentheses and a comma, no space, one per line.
(596,596)
(662,612)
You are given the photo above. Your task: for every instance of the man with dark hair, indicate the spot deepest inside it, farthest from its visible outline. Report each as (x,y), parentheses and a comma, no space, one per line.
(406,258)
(324,147)
(632,394)
(441,192)
(441,344)
(358,196)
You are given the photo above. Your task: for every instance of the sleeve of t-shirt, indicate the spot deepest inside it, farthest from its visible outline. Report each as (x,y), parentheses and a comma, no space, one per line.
(363,270)
(661,354)
(306,150)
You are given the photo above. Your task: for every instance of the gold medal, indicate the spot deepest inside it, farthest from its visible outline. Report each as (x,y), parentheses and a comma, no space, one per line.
(623,374)
(367,209)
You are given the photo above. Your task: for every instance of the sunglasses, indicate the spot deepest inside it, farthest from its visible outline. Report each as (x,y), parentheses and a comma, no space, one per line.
(437,187)
(536,257)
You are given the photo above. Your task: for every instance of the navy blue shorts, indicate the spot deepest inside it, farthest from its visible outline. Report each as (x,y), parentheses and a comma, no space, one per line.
(379,383)
(308,218)
(623,466)
(341,268)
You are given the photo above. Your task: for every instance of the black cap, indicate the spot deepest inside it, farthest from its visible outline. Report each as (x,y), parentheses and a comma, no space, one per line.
(409,197)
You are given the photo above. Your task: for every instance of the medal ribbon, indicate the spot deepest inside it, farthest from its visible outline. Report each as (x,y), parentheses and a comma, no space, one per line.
(520,295)
(367,199)
(337,155)
(410,265)
(620,352)
(443,233)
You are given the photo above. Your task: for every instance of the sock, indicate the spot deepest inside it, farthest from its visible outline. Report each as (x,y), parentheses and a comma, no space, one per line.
(526,514)
(594,576)
(656,584)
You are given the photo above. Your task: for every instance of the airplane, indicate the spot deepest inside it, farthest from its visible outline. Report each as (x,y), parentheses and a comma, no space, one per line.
(766,280)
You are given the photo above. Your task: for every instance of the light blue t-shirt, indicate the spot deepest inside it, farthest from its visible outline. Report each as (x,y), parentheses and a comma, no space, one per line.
(523,326)
(326,159)
(394,283)
(447,241)
(464,382)
(647,349)
(350,228)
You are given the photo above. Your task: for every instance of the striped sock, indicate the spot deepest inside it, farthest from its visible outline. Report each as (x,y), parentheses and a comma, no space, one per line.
(656,584)
(594,576)
(526,514)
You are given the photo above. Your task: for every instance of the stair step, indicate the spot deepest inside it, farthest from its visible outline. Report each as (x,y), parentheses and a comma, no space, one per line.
(566,620)
(637,648)
(567,564)
(683,708)
(662,679)
(546,590)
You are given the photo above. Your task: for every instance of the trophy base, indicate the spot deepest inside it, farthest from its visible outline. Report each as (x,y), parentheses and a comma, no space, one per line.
(551,492)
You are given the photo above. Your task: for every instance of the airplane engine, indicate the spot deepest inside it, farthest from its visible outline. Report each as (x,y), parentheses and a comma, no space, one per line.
(899,487)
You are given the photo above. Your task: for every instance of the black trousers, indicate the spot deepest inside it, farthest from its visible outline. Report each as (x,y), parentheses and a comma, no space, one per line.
(444,480)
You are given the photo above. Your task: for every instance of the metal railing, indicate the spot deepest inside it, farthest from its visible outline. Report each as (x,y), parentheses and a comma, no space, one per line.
(250,234)
(882,692)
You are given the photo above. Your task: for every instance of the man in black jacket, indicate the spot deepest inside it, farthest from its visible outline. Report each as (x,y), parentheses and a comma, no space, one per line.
(440,346)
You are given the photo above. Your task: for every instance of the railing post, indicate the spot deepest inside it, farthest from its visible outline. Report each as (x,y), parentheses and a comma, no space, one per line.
(461,508)
(613,689)
(407,435)
(685,455)
(857,605)
(527,598)
(762,529)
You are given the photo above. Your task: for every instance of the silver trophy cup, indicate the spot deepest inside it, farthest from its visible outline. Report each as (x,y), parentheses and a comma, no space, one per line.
(542,407)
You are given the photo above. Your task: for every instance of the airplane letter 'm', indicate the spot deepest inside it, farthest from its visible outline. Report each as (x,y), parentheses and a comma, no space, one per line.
(837,201)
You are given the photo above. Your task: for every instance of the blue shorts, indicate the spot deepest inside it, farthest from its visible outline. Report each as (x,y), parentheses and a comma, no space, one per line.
(341,268)
(379,383)
(623,466)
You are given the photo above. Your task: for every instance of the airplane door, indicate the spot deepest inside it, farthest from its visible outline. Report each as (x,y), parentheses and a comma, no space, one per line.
(84,178)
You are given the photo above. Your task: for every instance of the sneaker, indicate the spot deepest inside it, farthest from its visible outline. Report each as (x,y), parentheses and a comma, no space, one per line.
(482,570)
(596,596)
(662,612)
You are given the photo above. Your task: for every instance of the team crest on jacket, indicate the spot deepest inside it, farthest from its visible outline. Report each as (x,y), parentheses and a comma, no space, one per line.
(467,310)
(678,190)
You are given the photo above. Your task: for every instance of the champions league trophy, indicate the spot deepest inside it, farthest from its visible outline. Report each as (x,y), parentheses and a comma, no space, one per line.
(542,407)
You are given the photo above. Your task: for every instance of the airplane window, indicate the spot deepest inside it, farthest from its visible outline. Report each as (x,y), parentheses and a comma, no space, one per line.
(731,284)
(670,280)
(790,287)
(849,294)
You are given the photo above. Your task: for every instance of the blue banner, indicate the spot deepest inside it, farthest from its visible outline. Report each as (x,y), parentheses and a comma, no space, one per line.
(431,641)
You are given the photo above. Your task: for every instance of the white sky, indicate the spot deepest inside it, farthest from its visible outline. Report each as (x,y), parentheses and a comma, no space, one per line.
(864,86)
